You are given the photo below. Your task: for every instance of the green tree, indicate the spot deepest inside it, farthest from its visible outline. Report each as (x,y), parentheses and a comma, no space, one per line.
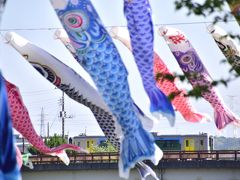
(205,9)
(104,147)
(51,142)
(197,8)
(31,149)
(54,141)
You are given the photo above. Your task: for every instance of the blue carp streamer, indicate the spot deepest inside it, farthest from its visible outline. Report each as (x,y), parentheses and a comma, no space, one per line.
(98,55)
(140,26)
(2,7)
(9,169)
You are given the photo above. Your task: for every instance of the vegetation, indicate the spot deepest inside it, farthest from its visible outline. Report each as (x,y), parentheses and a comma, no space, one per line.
(51,142)
(54,141)
(33,150)
(205,8)
(104,147)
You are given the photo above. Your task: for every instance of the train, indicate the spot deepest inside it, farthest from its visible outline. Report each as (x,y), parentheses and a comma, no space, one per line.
(194,142)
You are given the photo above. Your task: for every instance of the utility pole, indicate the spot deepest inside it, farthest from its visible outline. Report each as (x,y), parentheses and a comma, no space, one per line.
(42,127)
(62,115)
(23,144)
(48,129)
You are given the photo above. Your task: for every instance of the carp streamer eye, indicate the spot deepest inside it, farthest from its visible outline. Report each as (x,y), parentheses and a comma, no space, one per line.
(76,21)
(47,73)
(186,59)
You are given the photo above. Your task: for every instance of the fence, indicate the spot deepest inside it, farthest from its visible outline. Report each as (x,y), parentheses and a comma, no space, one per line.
(113,157)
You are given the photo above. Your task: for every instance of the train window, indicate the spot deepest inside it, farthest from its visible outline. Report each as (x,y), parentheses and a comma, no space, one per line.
(201,142)
(211,143)
(187,143)
(169,144)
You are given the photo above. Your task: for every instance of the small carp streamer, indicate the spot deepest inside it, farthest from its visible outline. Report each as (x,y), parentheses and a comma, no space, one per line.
(140,27)
(96,52)
(235,8)
(180,101)
(9,169)
(197,74)
(228,46)
(19,157)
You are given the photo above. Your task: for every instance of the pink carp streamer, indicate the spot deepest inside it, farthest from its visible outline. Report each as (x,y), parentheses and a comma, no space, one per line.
(181,103)
(197,74)
(22,123)
(19,157)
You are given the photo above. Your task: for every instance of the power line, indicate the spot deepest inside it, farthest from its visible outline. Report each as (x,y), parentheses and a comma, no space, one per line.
(30,29)
(54,120)
(38,91)
(42,100)
(158,24)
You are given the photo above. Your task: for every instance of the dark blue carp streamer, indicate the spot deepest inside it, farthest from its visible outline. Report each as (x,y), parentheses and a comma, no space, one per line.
(98,55)
(2,6)
(140,27)
(9,169)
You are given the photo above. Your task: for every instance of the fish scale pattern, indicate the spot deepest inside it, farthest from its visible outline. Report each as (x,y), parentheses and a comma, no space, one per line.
(230,53)
(222,114)
(9,169)
(22,123)
(197,74)
(227,45)
(104,119)
(20,117)
(181,102)
(100,58)
(140,27)
(141,34)
(213,97)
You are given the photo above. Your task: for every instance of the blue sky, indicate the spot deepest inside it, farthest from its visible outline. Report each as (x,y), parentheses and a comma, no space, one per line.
(38,93)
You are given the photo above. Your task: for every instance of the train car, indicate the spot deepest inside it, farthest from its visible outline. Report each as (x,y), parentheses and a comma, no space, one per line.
(88,142)
(195,142)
